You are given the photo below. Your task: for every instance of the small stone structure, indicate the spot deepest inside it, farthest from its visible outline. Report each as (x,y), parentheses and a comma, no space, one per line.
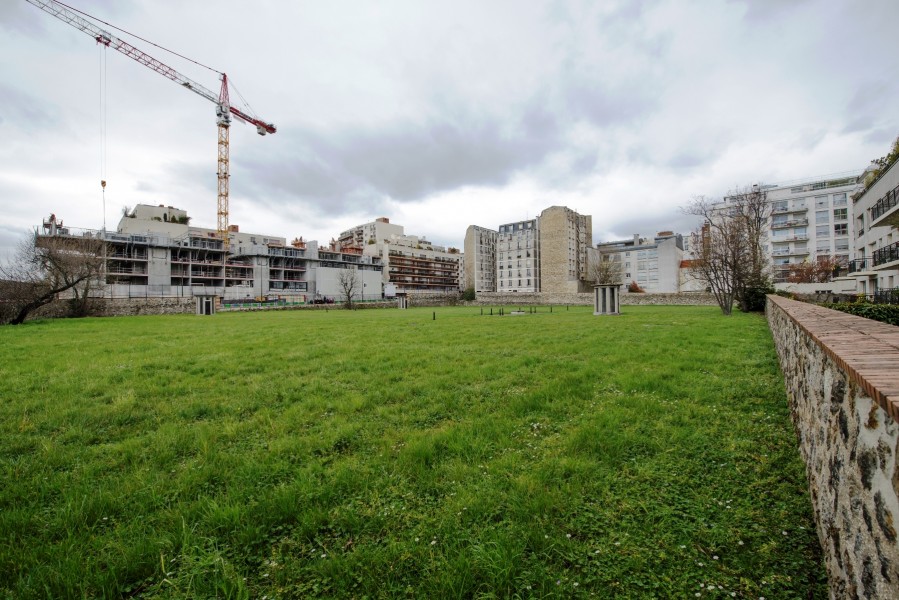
(605,299)
(842,378)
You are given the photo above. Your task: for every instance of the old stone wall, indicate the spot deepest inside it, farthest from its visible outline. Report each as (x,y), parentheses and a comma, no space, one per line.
(120,307)
(842,379)
(497,298)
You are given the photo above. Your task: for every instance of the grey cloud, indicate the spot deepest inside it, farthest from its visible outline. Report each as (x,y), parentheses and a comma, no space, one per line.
(358,167)
(762,10)
(23,110)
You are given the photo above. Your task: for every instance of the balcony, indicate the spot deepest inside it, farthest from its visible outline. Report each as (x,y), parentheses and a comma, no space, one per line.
(861,265)
(791,223)
(885,255)
(884,211)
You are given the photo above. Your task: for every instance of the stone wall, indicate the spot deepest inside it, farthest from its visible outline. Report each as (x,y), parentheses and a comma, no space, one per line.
(842,379)
(120,307)
(543,298)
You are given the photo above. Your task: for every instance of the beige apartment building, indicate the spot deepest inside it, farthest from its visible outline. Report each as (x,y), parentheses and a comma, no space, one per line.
(876,217)
(544,254)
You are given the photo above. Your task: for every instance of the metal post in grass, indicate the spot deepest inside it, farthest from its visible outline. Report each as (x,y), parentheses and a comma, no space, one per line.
(605,299)
(434,316)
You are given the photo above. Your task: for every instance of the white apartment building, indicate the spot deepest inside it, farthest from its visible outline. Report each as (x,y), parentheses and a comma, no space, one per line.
(810,219)
(653,263)
(876,218)
(517,257)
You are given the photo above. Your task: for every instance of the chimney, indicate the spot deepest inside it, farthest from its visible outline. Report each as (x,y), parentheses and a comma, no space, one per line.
(636,239)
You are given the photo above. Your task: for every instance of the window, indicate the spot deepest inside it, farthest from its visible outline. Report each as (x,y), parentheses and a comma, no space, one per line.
(779,206)
(822,231)
(841,229)
(799,203)
(822,216)
(840,214)
(821,202)
(839,199)
(841,245)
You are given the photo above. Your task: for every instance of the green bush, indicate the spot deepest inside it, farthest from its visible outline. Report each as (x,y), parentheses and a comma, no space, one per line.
(885,313)
(468,295)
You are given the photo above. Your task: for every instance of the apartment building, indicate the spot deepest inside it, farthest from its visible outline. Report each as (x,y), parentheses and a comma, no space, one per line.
(565,236)
(411,264)
(875,213)
(518,257)
(155,252)
(809,220)
(479,259)
(654,264)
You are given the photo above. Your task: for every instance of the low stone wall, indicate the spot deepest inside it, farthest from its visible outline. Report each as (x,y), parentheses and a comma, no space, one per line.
(842,379)
(496,298)
(120,307)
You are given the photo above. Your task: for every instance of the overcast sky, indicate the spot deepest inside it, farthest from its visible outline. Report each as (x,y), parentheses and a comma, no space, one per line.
(440,115)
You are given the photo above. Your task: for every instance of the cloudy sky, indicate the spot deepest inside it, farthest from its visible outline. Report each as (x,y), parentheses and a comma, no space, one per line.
(438,114)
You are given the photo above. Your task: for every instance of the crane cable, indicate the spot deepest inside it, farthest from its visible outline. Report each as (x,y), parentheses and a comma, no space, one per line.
(103,126)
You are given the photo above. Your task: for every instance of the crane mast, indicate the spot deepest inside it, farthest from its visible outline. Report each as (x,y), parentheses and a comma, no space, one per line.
(223,109)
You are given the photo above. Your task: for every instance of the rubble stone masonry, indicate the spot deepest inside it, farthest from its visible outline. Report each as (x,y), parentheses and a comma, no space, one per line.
(842,379)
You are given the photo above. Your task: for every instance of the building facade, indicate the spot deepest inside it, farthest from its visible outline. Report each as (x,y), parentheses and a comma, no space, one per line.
(876,218)
(518,257)
(654,264)
(479,259)
(810,220)
(155,252)
(564,238)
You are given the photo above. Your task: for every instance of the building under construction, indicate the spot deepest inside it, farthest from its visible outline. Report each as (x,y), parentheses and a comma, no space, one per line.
(155,252)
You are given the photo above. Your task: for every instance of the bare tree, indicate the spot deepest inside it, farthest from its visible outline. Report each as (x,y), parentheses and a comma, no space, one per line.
(604,269)
(348,281)
(729,254)
(45,267)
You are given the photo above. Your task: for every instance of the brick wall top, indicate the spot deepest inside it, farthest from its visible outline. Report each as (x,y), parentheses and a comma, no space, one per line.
(867,350)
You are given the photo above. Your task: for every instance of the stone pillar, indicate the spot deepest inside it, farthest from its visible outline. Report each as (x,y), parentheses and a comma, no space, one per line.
(402,301)
(605,299)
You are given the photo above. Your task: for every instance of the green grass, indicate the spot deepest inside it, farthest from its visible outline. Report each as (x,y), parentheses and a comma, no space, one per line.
(385,454)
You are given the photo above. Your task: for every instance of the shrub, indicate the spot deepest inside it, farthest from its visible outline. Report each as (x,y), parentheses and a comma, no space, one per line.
(885,313)
(635,288)
(468,295)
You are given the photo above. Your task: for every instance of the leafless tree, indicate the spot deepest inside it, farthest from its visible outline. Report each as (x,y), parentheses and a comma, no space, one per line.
(604,269)
(729,254)
(348,280)
(45,267)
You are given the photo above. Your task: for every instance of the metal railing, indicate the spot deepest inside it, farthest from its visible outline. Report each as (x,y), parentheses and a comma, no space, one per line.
(859,265)
(886,254)
(885,204)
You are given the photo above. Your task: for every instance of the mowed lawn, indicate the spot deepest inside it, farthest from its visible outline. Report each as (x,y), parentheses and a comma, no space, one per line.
(389,454)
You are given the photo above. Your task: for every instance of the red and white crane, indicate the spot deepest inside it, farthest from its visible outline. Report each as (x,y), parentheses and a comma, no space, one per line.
(223,109)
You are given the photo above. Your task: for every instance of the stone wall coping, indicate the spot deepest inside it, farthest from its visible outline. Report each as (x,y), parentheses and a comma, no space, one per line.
(865,349)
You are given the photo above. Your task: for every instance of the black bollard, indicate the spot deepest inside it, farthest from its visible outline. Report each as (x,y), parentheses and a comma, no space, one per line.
(435,317)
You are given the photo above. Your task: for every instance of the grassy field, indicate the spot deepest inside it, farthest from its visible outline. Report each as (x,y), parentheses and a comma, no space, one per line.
(386,454)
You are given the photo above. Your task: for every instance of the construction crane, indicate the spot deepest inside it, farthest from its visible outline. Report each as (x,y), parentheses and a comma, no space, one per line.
(223,108)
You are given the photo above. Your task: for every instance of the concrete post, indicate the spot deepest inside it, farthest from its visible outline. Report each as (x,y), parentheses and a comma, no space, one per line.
(605,299)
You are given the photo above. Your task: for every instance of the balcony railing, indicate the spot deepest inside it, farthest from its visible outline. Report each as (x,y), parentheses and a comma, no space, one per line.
(886,254)
(792,223)
(860,264)
(888,296)
(885,204)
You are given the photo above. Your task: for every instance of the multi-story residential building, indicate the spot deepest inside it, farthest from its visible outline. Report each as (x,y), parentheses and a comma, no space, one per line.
(565,236)
(518,257)
(155,252)
(379,230)
(544,254)
(411,264)
(479,271)
(809,220)
(876,218)
(653,264)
